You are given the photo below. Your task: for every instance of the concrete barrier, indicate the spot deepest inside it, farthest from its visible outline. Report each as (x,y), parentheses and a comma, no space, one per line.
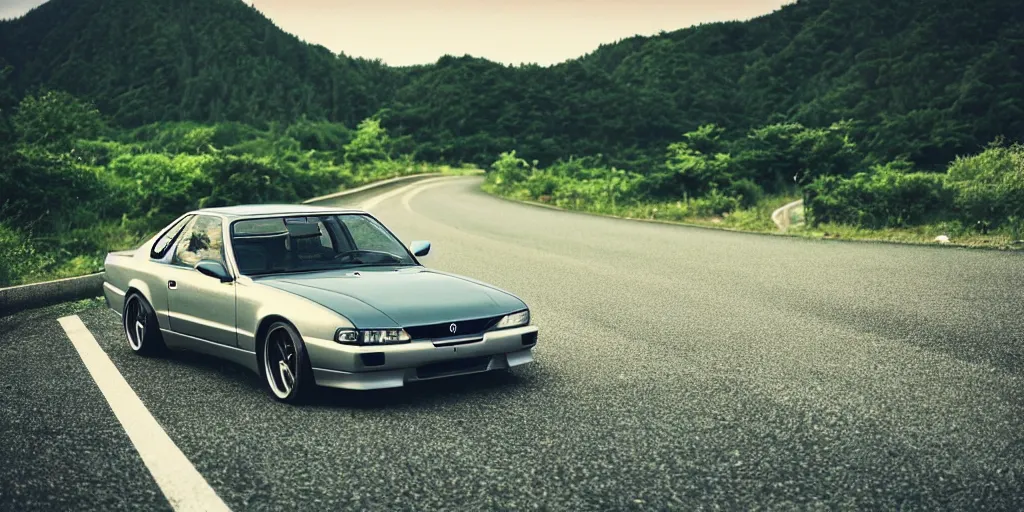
(36,295)
(28,296)
(781,216)
(347,197)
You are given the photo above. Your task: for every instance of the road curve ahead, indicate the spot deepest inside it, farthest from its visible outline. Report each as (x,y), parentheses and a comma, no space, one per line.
(677,368)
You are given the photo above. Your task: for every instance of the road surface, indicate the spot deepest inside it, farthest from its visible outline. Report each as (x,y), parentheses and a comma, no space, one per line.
(677,368)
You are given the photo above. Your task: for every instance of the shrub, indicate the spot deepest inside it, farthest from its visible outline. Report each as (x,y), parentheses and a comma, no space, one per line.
(246,179)
(746,192)
(159,183)
(163,137)
(82,196)
(541,184)
(884,197)
(508,170)
(18,258)
(101,152)
(692,173)
(989,187)
(714,203)
(48,190)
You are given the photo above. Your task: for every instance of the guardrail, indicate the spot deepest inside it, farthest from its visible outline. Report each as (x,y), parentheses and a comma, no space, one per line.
(781,216)
(48,293)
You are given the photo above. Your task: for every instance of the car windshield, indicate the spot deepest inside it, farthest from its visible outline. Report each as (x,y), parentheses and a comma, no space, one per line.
(312,243)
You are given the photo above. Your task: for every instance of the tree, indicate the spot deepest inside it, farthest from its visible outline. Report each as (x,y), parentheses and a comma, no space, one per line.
(55,119)
(371,143)
(825,151)
(696,165)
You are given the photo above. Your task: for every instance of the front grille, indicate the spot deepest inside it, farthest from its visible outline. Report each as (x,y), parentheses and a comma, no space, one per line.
(444,330)
(453,367)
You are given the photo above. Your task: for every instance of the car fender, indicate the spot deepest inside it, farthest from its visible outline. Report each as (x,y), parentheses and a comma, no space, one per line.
(142,287)
(255,304)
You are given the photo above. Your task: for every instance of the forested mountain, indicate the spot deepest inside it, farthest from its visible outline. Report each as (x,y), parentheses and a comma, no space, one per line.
(143,61)
(926,79)
(922,79)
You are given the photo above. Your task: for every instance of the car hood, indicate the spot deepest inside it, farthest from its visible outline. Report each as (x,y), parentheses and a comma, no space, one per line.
(403,296)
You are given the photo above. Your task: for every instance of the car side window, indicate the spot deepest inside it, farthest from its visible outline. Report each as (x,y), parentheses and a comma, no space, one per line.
(162,244)
(203,239)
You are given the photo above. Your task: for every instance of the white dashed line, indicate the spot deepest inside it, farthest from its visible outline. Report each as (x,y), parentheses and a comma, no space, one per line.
(181,483)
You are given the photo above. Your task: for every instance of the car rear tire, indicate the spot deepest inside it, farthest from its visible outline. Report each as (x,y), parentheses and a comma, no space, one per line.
(286,368)
(141,327)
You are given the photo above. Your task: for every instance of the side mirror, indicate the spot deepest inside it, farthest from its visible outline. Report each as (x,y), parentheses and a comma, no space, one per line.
(420,247)
(214,269)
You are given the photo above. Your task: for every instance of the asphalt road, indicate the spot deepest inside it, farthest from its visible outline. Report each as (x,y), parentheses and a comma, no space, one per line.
(677,368)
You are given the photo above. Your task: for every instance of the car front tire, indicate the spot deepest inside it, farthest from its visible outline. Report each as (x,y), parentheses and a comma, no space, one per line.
(286,368)
(141,327)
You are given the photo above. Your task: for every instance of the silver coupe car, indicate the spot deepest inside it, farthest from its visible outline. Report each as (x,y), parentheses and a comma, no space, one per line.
(306,295)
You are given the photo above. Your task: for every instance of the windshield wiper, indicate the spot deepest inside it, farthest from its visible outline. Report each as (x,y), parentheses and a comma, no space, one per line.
(289,271)
(328,269)
(359,265)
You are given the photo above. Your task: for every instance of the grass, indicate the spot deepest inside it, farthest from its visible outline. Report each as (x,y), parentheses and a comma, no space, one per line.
(757,219)
(958,237)
(754,219)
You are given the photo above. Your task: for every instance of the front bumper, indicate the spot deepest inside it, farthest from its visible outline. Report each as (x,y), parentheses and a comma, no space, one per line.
(344,366)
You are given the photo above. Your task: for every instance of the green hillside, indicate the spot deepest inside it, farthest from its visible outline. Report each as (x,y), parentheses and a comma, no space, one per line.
(143,61)
(925,79)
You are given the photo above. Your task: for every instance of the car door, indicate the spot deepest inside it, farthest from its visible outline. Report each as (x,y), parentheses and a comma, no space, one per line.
(201,306)
(159,258)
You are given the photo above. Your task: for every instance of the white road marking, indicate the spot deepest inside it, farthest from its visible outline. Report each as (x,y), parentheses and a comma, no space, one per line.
(412,193)
(375,200)
(181,483)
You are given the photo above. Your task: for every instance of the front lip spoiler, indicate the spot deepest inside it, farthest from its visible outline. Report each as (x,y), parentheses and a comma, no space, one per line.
(399,377)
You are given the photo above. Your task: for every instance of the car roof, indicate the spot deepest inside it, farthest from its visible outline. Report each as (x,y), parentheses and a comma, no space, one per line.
(259,210)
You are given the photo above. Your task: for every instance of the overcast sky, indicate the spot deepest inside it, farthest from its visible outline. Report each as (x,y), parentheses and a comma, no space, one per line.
(402,32)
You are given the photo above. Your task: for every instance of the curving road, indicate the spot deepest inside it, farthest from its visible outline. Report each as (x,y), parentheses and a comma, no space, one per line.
(678,368)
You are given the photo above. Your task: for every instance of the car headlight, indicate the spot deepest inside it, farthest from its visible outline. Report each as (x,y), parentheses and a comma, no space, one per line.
(371,336)
(514,320)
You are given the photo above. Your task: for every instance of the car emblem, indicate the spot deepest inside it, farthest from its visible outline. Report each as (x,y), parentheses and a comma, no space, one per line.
(452,328)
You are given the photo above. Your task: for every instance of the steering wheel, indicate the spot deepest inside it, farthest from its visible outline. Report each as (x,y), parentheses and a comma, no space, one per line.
(353,256)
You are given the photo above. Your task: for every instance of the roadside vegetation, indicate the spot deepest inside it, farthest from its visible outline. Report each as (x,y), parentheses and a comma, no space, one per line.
(74,187)
(708,179)
(885,118)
